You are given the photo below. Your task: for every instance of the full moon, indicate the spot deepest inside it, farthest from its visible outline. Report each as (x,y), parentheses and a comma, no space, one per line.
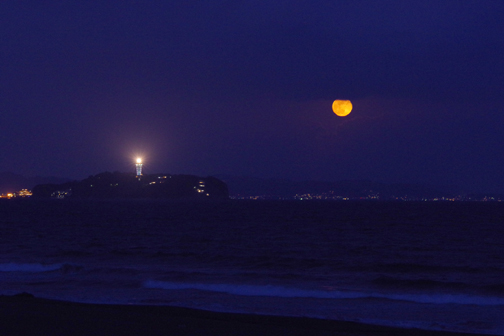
(342,108)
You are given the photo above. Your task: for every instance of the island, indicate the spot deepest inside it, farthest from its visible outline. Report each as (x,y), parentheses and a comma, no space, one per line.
(129,185)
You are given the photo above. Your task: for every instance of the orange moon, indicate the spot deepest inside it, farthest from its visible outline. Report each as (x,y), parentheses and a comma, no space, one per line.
(342,108)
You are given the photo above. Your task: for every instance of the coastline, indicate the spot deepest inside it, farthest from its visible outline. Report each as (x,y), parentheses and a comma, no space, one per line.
(23,314)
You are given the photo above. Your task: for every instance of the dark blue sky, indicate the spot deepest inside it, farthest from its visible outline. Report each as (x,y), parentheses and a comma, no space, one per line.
(245,88)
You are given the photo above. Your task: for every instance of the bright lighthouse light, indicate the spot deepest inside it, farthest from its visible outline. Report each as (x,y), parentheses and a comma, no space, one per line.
(138,166)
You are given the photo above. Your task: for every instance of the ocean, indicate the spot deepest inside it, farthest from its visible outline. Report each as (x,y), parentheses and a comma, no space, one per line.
(428,265)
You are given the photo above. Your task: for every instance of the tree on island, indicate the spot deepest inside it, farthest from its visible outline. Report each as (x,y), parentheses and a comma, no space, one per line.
(128,185)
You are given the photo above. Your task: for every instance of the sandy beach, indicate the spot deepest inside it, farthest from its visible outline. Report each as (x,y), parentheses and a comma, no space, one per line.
(24,314)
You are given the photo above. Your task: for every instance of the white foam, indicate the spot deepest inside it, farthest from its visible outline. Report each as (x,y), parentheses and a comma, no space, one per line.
(34,268)
(279,291)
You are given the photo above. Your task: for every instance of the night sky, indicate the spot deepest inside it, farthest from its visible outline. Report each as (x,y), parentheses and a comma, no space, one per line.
(245,88)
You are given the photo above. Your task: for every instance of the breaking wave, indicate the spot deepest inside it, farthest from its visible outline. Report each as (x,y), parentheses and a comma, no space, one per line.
(33,267)
(286,292)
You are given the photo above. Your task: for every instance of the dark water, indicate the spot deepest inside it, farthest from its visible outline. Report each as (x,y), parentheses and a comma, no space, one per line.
(427,265)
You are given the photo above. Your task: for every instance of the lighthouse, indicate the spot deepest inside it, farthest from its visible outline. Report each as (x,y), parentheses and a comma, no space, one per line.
(138,167)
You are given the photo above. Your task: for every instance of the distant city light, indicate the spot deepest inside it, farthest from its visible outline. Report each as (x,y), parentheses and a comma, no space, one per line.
(22,193)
